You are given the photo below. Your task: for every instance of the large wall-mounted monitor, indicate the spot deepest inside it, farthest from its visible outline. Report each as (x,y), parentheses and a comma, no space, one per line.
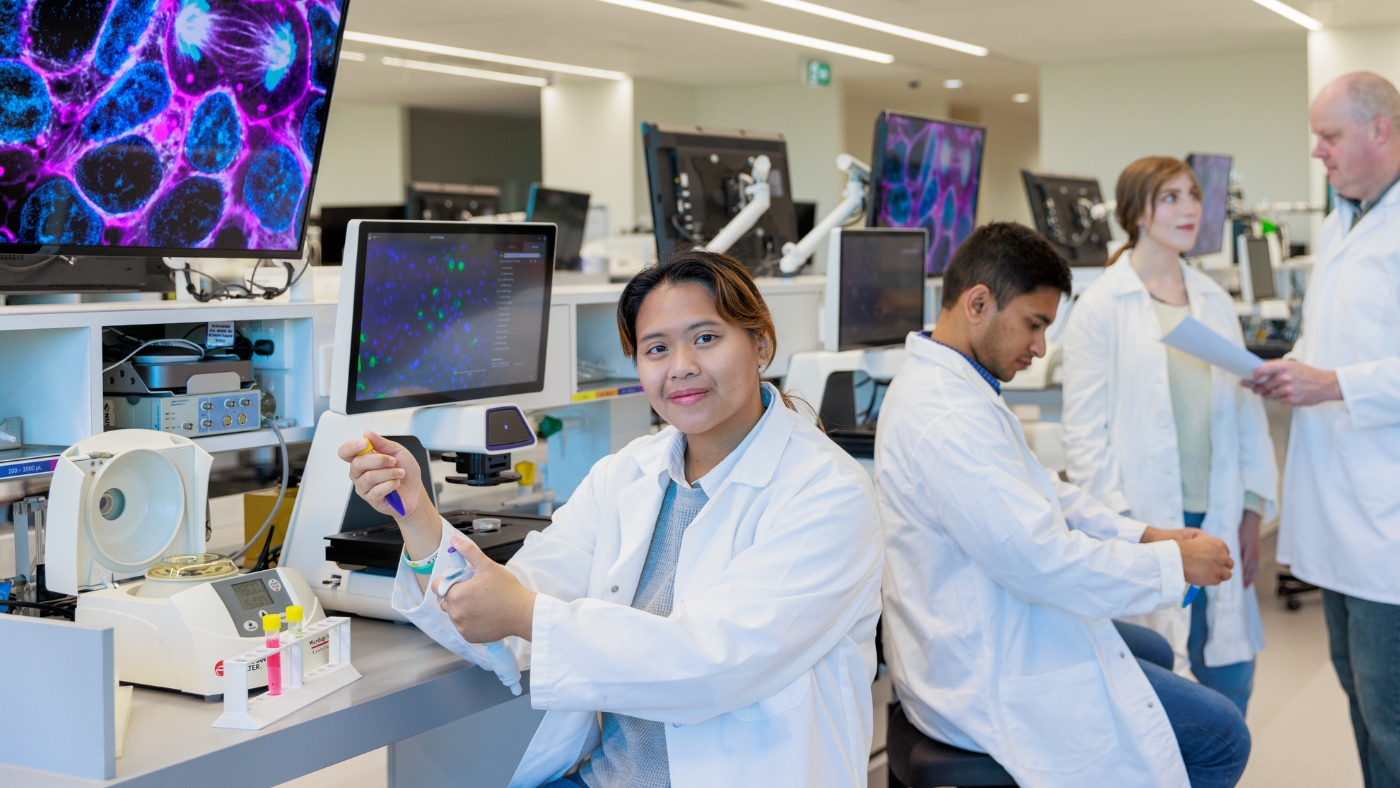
(1213,174)
(144,128)
(1062,207)
(569,210)
(874,286)
(697,185)
(440,312)
(926,173)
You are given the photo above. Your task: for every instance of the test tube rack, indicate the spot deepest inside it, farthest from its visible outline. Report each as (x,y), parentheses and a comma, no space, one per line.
(298,690)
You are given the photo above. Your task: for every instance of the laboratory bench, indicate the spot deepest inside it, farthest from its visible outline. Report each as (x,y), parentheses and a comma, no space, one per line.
(441,717)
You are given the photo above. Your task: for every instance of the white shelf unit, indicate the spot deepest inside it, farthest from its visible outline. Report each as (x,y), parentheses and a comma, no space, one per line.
(51,354)
(591,316)
(51,362)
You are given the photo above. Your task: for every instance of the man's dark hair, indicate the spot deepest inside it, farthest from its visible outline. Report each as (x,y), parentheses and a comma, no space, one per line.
(1010,259)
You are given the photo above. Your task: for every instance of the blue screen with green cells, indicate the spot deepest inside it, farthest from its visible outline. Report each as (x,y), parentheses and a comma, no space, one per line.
(449,313)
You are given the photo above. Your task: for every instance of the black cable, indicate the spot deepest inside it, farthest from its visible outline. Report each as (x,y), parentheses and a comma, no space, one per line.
(53,609)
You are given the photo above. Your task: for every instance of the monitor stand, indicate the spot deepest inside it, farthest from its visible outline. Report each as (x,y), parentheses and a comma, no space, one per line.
(826,380)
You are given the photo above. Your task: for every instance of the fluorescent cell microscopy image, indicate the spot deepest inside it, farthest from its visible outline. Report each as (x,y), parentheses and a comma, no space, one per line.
(215,137)
(137,97)
(929,178)
(272,187)
(163,124)
(24,103)
(121,176)
(62,31)
(186,214)
(56,214)
(125,26)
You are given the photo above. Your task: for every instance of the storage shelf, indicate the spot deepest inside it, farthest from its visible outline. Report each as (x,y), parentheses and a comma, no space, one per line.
(253,439)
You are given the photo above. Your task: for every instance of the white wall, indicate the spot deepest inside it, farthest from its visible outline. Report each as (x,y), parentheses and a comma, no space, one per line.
(1013,145)
(363,160)
(1097,117)
(1337,51)
(589,138)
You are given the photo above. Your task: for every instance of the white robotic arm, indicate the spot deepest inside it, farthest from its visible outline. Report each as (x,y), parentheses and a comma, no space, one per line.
(794,255)
(760,197)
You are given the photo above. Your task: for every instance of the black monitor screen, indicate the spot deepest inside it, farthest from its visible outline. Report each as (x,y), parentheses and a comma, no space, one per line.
(448,202)
(927,173)
(698,179)
(335,218)
(568,210)
(1213,174)
(449,313)
(1261,269)
(882,286)
(142,127)
(1062,207)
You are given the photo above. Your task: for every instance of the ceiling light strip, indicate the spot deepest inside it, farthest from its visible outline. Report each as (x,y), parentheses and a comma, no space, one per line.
(460,71)
(883,27)
(489,57)
(346,54)
(1291,14)
(755,30)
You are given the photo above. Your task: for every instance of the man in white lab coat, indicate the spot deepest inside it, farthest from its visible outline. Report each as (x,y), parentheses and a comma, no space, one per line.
(1001,580)
(1340,526)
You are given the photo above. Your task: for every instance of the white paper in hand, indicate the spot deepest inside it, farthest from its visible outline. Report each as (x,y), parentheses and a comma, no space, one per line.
(1192,337)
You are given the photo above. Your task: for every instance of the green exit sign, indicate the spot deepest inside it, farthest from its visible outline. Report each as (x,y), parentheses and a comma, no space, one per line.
(818,74)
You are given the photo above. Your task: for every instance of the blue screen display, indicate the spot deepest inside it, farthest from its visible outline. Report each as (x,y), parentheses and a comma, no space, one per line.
(450,313)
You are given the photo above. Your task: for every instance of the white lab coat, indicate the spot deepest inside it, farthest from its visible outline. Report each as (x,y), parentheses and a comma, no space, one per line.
(1000,585)
(1121,443)
(762,671)
(1340,527)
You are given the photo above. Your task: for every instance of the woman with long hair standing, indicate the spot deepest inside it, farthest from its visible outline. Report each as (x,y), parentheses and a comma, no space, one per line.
(1164,436)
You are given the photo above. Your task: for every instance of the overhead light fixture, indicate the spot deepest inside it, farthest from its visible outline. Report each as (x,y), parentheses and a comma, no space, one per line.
(883,27)
(755,30)
(460,71)
(952,84)
(1291,14)
(489,57)
(346,54)
(1021,98)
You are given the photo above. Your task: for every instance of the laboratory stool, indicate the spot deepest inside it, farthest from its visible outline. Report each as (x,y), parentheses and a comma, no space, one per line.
(916,761)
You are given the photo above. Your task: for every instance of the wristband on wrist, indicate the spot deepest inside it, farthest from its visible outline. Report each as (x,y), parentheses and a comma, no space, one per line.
(424,567)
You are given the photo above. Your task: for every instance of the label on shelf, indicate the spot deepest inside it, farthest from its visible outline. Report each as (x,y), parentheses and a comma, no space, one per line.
(219,334)
(585,396)
(27,466)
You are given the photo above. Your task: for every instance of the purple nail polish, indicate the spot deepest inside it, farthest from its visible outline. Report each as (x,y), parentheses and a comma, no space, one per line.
(452,549)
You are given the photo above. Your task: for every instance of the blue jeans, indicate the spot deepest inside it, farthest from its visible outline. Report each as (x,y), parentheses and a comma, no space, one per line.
(1365,642)
(1210,730)
(1236,681)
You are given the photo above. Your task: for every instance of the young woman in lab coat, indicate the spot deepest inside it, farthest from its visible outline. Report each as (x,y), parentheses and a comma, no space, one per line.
(1166,437)
(702,611)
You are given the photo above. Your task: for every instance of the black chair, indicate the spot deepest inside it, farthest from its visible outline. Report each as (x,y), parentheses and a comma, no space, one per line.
(916,761)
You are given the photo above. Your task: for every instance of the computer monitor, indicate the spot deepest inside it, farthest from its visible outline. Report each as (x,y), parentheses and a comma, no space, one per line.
(874,286)
(1061,206)
(335,218)
(569,210)
(451,202)
(441,312)
(806,217)
(1213,174)
(1258,258)
(926,173)
(696,188)
(182,129)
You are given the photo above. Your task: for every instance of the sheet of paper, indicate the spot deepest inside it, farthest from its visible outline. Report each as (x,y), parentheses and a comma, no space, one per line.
(1192,337)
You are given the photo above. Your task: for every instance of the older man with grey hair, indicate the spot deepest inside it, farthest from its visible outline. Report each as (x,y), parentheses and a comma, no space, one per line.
(1341,493)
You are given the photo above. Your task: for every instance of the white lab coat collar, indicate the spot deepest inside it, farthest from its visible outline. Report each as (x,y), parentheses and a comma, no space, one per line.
(1124,280)
(921,346)
(712,481)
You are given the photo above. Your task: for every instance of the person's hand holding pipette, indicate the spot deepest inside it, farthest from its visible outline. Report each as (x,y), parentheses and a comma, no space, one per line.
(491,603)
(380,467)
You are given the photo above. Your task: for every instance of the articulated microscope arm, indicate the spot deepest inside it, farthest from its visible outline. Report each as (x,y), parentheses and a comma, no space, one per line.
(794,255)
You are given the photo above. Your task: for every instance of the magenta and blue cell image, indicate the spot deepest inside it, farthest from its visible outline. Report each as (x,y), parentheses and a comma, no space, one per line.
(929,174)
(163,124)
